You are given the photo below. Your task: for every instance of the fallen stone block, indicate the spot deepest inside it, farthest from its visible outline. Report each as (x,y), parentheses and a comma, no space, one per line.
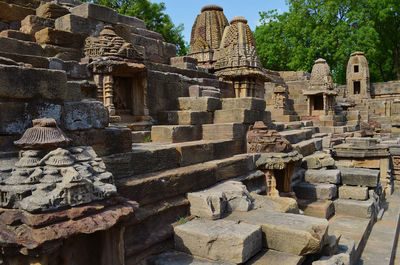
(360,176)
(320,208)
(224,131)
(363,209)
(249,103)
(315,191)
(96,12)
(322,176)
(212,203)
(276,204)
(353,193)
(51,10)
(219,240)
(175,133)
(84,115)
(11,12)
(290,233)
(199,104)
(59,37)
(29,83)
(273,257)
(32,24)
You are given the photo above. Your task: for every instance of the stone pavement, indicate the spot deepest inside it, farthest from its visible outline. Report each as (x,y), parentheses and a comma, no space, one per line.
(378,249)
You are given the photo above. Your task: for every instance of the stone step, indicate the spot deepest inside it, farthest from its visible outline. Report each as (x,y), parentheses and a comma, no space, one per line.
(333,129)
(35,61)
(353,192)
(354,230)
(241,116)
(360,177)
(175,133)
(273,257)
(185,117)
(224,131)
(155,186)
(307,147)
(320,208)
(220,240)
(199,103)
(8,45)
(248,103)
(322,176)
(290,233)
(360,209)
(296,136)
(315,191)
(175,258)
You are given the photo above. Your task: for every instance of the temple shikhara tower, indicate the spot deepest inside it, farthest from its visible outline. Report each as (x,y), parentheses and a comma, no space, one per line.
(116,151)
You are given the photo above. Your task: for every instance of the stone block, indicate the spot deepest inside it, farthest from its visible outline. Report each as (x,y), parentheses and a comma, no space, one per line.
(318,160)
(16,34)
(199,104)
(360,176)
(148,33)
(320,208)
(8,45)
(342,259)
(322,176)
(131,21)
(183,59)
(175,133)
(194,152)
(306,147)
(29,83)
(204,91)
(237,116)
(315,191)
(32,24)
(59,37)
(233,167)
(273,257)
(220,240)
(363,209)
(224,131)
(290,233)
(78,24)
(63,53)
(174,258)
(73,92)
(34,61)
(212,203)
(96,12)
(353,193)
(227,148)
(275,204)
(51,10)
(296,136)
(185,117)
(11,12)
(243,103)
(84,115)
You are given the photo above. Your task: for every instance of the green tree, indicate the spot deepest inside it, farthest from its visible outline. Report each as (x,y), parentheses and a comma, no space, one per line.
(332,29)
(153,15)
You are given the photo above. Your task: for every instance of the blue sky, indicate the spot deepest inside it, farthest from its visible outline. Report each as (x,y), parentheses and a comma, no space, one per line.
(185,11)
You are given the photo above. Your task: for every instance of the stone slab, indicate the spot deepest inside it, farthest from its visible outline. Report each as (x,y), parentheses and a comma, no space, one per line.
(220,240)
(224,131)
(363,209)
(315,191)
(322,176)
(11,12)
(51,10)
(199,104)
(273,257)
(248,103)
(97,12)
(360,176)
(79,24)
(320,208)
(175,258)
(353,193)
(185,117)
(194,152)
(84,115)
(175,133)
(296,136)
(237,116)
(9,45)
(60,38)
(29,83)
(32,24)
(16,34)
(290,233)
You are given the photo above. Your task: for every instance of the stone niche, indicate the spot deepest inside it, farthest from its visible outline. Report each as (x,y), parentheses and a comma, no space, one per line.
(276,158)
(357,77)
(238,62)
(321,94)
(120,77)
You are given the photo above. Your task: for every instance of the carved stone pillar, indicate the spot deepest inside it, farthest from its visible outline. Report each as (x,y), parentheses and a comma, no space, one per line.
(108,84)
(98,79)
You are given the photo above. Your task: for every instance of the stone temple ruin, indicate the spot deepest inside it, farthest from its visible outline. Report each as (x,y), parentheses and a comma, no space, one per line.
(115,151)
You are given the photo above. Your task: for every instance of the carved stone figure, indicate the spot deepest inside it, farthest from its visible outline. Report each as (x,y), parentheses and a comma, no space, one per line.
(45,180)
(280,98)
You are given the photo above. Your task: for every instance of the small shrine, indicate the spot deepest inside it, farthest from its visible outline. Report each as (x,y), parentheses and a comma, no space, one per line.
(277,159)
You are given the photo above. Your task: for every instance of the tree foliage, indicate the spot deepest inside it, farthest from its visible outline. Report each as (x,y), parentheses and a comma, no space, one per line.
(332,29)
(153,15)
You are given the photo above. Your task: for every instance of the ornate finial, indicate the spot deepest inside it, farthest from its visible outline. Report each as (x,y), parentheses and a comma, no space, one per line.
(320,60)
(44,134)
(211,8)
(238,19)
(357,53)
